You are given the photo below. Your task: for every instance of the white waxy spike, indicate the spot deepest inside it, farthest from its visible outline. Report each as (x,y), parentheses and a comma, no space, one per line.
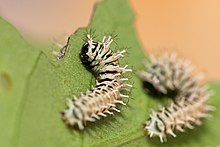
(69,102)
(124,69)
(124,79)
(151,134)
(152,113)
(115,90)
(81,127)
(109,43)
(151,116)
(125,89)
(117,110)
(180,128)
(118,74)
(161,108)
(120,102)
(210,108)
(112,105)
(71,121)
(102,114)
(188,125)
(180,122)
(142,75)
(127,70)
(190,118)
(125,96)
(123,51)
(146,127)
(204,115)
(109,38)
(170,85)
(155,80)
(211,93)
(161,138)
(129,85)
(103,40)
(162,89)
(90,119)
(96,116)
(198,122)
(171,133)
(119,54)
(74,98)
(89,37)
(109,112)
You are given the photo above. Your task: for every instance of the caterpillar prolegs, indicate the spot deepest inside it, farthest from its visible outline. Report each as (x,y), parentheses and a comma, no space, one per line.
(101,100)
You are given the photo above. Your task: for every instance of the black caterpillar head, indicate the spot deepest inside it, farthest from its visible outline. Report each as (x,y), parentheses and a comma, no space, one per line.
(88,51)
(83,54)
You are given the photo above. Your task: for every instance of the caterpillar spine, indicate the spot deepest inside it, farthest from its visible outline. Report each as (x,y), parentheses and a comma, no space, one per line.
(101,100)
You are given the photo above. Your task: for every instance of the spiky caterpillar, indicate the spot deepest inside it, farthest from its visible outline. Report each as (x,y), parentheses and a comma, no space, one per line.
(183,112)
(167,75)
(101,100)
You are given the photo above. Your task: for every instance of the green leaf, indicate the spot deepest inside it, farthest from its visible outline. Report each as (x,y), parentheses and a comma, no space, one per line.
(34,88)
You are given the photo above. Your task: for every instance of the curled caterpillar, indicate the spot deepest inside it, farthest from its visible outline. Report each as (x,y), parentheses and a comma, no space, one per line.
(102,99)
(167,75)
(183,112)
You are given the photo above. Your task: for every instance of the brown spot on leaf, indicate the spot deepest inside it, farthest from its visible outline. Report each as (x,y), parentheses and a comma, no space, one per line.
(5,82)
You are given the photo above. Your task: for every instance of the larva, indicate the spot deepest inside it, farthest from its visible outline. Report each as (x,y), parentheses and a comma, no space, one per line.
(183,112)
(102,99)
(167,75)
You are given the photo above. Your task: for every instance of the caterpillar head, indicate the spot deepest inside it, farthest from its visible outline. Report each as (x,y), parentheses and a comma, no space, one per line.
(155,127)
(88,51)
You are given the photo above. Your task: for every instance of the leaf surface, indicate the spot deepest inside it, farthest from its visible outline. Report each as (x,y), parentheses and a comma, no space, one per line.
(34,88)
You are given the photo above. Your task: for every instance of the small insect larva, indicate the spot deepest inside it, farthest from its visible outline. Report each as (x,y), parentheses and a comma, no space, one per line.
(168,75)
(183,112)
(101,100)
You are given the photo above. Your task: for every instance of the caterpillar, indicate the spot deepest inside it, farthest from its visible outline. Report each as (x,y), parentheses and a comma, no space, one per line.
(101,100)
(167,75)
(183,112)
